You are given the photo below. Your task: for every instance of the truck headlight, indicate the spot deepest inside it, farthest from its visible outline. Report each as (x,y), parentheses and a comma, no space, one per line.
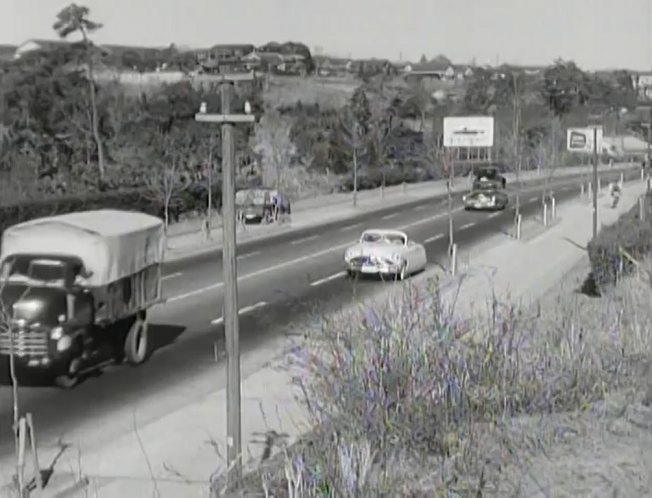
(64,343)
(56,333)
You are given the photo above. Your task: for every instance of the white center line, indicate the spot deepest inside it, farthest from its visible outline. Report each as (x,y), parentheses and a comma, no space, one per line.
(246,309)
(328,279)
(305,239)
(535,198)
(171,275)
(467,225)
(421,208)
(493,215)
(389,216)
(248,254)
(433,238)
(349,227)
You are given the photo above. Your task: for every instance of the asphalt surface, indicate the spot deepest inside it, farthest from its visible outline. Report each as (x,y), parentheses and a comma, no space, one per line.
(280,283)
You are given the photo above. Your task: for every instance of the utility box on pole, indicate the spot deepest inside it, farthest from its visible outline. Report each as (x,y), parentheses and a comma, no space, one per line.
(229,266)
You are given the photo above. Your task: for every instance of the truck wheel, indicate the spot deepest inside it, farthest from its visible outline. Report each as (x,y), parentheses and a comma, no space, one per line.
(71,378)
(136,342)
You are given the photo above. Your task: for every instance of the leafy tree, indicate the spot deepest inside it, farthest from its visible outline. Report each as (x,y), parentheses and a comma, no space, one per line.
(74,19)
(479,94)
(423,59)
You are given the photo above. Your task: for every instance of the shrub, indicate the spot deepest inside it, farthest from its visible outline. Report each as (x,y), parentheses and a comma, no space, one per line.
(629,236)
(409,400)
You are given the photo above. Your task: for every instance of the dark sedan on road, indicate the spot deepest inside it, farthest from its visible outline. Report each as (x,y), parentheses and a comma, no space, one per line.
(486,200)
(489,176)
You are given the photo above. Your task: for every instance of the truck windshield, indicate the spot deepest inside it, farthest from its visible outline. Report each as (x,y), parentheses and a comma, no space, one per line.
(44,305)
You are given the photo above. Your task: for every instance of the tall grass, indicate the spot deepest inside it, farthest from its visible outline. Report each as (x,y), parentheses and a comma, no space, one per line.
(408,399)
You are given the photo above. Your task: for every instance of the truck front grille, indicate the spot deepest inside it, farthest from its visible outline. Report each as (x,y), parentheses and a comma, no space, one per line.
(27,343)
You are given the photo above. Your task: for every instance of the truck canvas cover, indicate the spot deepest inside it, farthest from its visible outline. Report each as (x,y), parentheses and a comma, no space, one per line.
(111,244)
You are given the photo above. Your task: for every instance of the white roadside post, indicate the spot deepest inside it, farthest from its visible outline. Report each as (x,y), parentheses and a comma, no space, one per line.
(545,213)
(470,132)
(229,265)
(553,208)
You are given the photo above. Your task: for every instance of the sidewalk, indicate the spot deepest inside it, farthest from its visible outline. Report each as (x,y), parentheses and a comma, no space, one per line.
(183,242)
(176,455)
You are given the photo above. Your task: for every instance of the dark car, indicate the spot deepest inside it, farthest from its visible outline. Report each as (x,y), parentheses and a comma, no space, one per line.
(489,177)
(486,199)
(257,204)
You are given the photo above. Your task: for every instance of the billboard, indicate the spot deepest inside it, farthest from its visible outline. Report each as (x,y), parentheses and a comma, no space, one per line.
(581,139)
(469,131)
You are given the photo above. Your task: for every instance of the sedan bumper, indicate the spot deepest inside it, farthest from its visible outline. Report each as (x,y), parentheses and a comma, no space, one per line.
(372,268)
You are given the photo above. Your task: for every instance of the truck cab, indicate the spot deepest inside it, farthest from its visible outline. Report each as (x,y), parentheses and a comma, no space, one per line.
(45,308)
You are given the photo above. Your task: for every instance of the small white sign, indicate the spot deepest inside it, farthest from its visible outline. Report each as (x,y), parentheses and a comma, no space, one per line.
(581,140)
(469,131)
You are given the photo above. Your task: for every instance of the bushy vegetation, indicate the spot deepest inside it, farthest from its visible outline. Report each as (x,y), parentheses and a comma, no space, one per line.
(409,399)
(617,249)
(62,136)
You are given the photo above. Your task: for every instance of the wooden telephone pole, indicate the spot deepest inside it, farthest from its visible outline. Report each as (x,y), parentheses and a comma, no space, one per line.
(229,266)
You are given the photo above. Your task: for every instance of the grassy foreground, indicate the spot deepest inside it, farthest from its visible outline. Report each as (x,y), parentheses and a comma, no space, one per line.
(408,399)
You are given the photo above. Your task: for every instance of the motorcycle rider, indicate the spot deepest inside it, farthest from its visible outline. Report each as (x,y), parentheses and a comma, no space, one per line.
(614,191)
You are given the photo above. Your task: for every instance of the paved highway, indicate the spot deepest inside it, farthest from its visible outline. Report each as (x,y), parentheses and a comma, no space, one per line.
(281,281)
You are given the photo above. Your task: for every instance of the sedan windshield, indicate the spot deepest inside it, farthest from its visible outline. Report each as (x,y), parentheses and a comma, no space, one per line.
(374,238)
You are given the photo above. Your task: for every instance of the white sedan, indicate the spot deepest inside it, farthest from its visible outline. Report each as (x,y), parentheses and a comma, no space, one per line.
(385,252)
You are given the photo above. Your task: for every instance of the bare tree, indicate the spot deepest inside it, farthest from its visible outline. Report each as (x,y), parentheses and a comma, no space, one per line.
(167,181)
(422,98)
(273,143)
(74,19)
(356,138)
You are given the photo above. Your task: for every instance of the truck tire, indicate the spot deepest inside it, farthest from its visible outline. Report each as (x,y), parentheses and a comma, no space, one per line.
(136,342)
(71,378)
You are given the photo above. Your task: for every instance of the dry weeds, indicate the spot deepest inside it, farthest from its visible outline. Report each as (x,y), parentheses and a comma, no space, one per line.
(407,399)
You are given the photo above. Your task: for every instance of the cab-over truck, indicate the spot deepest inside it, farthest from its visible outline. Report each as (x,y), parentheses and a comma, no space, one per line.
(76,287)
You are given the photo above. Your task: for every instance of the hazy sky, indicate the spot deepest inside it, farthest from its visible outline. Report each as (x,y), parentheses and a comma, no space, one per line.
(594,33)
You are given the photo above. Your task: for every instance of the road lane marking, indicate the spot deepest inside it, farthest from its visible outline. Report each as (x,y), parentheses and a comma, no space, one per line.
(242,311)
(328,279)
(532,199)
(248,254)
(421,208)
(433,238)
(171,275)
(430,218)
(305,239)
(349,227)
(467,225)
(302,259)
(493,215)
(390,216)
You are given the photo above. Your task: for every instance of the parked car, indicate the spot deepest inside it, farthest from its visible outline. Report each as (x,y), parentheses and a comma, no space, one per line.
(486,199)
(257,204)
(385,252)
(77,288)
(489,177)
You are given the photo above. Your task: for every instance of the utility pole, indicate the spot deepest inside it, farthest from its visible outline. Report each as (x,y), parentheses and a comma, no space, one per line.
(229,267)
(595,181)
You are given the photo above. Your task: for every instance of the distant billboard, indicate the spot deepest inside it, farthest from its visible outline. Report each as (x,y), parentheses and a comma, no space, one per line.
(469,131)
(580,140)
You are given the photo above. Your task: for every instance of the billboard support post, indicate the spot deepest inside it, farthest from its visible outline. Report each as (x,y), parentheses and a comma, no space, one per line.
(588,140)
(468,132)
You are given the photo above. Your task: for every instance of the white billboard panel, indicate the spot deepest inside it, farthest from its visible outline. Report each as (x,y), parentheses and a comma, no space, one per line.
(469,131)
(580,140)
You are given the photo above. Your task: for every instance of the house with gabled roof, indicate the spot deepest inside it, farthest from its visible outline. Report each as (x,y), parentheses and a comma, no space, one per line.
(38,44)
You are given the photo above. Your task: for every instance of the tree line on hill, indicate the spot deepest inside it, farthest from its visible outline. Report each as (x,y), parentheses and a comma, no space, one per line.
(63,136)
